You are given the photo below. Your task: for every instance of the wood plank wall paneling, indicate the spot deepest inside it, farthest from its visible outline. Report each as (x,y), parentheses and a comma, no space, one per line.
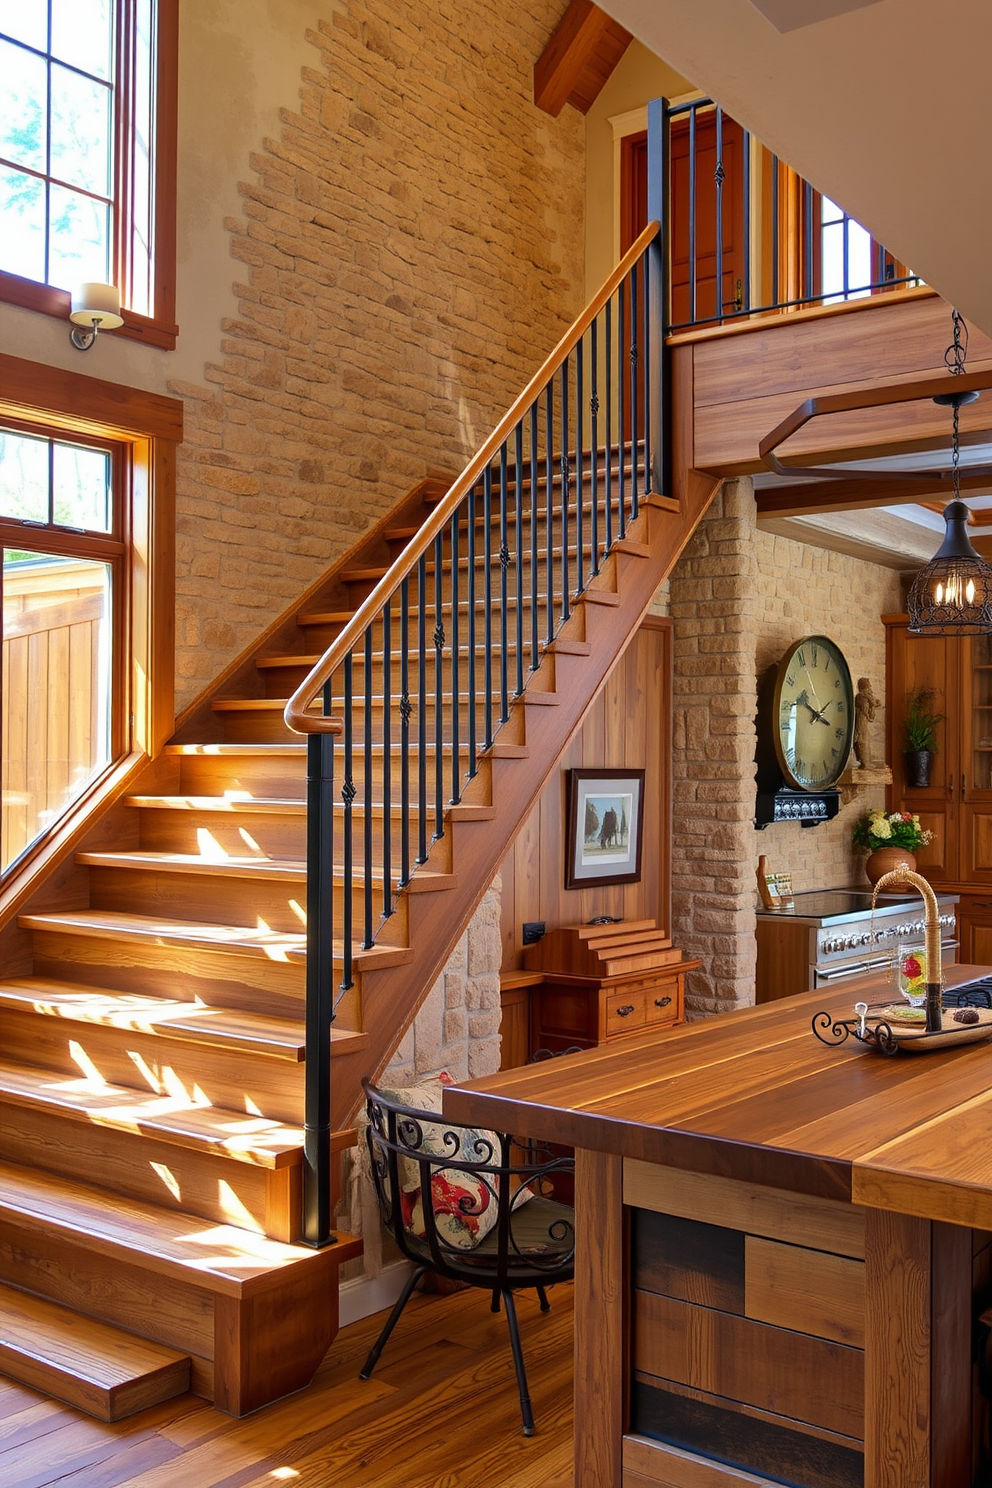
(746,384)
(629,723)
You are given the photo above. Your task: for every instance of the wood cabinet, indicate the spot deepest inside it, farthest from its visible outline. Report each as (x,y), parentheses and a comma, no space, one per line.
(957,804)
(604,982)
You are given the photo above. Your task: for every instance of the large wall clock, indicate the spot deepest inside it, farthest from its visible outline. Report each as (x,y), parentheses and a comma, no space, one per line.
(813,714)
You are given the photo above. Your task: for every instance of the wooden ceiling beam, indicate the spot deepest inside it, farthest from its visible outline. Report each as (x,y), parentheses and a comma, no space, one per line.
(859,493)
(579,59)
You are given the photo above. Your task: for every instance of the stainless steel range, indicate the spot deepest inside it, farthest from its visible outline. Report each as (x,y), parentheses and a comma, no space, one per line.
(829,935)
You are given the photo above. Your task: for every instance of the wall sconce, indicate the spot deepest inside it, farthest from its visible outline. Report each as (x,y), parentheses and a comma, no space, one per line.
(94,307)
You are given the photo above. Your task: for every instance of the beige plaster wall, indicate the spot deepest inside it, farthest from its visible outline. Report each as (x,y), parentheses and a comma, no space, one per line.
(739,598)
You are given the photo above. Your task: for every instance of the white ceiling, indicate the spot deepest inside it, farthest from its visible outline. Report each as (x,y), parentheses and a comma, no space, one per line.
(884,107)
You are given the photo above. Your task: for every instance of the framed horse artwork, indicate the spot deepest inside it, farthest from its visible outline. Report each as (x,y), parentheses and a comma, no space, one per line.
(604,827)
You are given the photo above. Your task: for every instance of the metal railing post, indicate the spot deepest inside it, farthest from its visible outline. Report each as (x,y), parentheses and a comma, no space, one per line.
(658,478)
(317,1230)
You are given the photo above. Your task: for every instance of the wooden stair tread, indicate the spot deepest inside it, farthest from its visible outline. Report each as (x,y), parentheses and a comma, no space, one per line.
(175,1119)
(193,1022)
(221,1258)
(278,870)
(277,805)
(89,1364)
(267,945)
(341,617)
(239,751)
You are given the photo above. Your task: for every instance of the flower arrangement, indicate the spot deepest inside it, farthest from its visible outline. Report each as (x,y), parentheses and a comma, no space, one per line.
(899,829)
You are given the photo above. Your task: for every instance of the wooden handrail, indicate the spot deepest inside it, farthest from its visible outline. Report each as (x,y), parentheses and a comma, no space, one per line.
(297,717)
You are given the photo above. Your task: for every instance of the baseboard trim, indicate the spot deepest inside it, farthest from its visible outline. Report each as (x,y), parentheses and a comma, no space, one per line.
(364,1295)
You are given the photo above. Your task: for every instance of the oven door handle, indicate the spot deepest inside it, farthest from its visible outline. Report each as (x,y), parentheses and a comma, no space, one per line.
(835,973)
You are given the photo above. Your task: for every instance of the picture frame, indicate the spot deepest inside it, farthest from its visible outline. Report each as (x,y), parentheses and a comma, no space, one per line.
(604,827)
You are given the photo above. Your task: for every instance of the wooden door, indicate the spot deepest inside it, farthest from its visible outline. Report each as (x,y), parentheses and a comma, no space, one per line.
(926,661)
(700,266)
(974,783)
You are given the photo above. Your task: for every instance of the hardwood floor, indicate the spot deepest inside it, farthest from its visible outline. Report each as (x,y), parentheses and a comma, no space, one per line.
(441,1411)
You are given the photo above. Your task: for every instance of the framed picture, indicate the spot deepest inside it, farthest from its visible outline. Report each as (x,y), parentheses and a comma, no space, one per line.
(605,824)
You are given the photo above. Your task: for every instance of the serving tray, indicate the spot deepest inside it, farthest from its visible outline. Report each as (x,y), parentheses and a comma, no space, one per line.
(877,1026)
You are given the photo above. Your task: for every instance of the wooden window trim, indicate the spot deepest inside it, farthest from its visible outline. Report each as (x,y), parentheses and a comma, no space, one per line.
(147,427)
(161,329)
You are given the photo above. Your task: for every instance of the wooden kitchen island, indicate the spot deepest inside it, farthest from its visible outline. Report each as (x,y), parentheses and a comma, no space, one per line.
(781,1250)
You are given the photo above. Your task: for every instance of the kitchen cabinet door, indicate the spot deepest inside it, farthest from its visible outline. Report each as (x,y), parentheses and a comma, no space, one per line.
(927,661)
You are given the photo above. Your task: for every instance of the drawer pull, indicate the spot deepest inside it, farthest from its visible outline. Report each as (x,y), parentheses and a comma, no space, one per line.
(626,1010)
(662,1001)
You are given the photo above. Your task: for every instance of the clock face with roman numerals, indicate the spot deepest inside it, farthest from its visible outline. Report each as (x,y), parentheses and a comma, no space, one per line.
(813,723)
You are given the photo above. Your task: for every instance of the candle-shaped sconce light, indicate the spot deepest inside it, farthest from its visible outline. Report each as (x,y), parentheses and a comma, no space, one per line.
(95,307)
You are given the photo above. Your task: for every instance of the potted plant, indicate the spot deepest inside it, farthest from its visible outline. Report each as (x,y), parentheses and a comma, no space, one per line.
(919,724)
(889,840)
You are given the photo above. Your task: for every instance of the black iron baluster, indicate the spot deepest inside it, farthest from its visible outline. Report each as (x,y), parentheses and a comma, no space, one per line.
(580,490)
(406,709)
(746,286)
(456,701)
(535,658)
(775,231)
(646,373)
(633,354)
(808,245)
(609,424)
(621,403)
(692,215)
(659,258)
(487,584)
(368,935)
(348,793)
(594,439)
(422,708)
(504,564)
(439,639)
(566,471)
(387,759)
(473,763)
(549,494)
(319,984)
(518,456)
(719,176)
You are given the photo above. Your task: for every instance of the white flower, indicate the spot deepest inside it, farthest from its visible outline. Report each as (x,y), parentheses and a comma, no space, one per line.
(881,827)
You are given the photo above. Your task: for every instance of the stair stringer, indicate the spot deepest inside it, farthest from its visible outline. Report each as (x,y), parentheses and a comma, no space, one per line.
(392,996)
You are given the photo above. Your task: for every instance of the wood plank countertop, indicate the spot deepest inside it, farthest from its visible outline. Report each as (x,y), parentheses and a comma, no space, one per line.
(754,1095)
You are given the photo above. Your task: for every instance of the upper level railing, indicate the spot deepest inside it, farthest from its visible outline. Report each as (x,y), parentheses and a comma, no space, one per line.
(749,236)
(423,676)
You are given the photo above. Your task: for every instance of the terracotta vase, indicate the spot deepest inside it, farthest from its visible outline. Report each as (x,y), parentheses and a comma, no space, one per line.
(885,860)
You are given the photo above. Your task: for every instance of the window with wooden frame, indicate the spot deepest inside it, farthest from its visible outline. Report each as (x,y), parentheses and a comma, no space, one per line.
(88,92)
(87,598)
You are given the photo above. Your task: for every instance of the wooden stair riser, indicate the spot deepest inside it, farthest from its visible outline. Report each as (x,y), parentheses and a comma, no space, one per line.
(213,774)
(243,722)
(229,901)
(218,977)
(219,1189)
(230,1078)
(283,680)
(319,633)
(520,580)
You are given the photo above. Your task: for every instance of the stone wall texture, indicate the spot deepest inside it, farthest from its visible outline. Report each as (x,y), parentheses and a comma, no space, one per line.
(739,598)
(410,249)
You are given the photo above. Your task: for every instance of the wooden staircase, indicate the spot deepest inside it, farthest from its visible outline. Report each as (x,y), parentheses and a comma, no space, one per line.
(152,1011)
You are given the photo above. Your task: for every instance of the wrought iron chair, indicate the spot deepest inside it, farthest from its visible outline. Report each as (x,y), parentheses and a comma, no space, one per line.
(419,1163)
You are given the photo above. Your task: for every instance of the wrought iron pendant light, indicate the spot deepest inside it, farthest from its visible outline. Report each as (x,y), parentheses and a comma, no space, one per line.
(952,594)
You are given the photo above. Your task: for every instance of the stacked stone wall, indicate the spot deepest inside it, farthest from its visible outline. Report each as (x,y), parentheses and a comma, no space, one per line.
(411,248)
(739,598)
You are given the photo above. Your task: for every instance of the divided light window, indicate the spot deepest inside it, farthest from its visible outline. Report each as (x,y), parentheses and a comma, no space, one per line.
(62,588)
(87,155)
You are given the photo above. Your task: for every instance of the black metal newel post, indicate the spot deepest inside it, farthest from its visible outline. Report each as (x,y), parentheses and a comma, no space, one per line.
(319,985)
(659,477)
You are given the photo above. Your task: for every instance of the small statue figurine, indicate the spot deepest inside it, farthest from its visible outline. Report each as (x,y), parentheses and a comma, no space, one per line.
(865,705)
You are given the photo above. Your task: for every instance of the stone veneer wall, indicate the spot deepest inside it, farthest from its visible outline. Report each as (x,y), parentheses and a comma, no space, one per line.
(739,598)
(411,248)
